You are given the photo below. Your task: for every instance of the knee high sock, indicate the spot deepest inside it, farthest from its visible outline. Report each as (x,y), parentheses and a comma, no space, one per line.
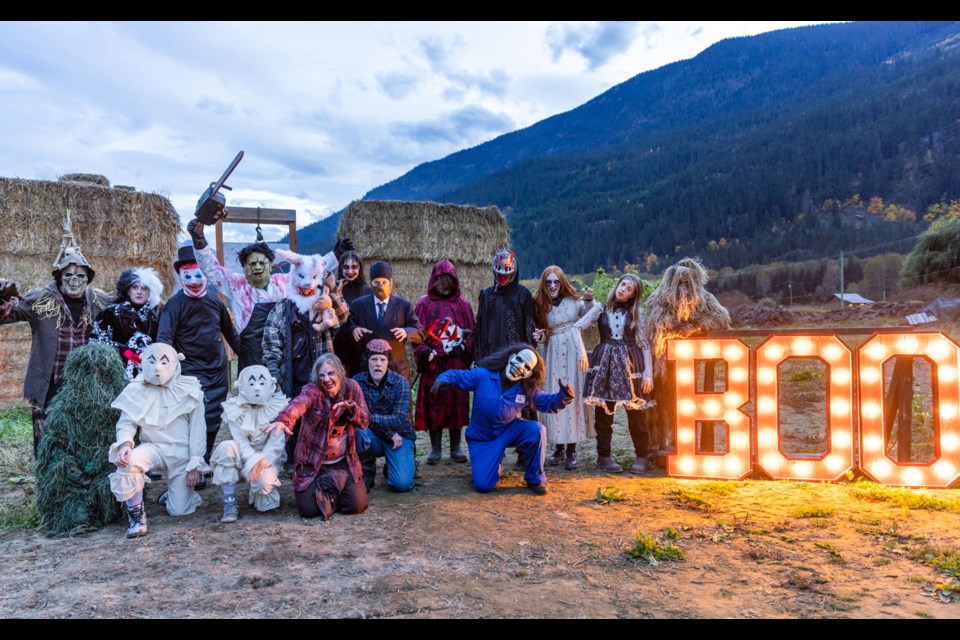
(229,490)
(135,500)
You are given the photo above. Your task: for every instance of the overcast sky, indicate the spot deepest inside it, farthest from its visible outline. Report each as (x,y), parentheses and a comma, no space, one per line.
(323,111)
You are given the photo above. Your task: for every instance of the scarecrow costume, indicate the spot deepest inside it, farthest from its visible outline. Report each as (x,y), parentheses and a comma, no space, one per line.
(167,408)
(61,315)
(250,451)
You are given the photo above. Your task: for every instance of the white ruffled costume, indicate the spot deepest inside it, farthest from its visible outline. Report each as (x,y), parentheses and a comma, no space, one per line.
(255,406)
(173,432)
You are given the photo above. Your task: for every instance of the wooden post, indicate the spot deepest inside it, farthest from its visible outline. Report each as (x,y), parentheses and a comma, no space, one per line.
(898,406)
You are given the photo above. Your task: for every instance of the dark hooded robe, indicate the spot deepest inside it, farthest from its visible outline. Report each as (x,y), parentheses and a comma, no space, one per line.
(450,407)
(505,315)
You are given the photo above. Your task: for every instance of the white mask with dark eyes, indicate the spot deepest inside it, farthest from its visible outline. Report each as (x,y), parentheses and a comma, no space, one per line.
(520,365)
(159,363)
(255,384)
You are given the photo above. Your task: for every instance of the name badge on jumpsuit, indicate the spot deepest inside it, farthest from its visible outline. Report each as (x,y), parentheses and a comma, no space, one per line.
(521,399)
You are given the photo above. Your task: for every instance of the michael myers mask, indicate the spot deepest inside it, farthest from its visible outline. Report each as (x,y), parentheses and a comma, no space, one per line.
(521,364)
(255,384)
(159,363)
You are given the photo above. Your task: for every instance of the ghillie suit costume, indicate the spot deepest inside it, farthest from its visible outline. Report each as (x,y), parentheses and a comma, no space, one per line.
(679,308)
(250,453)
(128,326)
(61,315)
(72,473)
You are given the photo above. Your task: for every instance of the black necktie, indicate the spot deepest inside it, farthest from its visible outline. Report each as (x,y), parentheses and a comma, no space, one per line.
(380,312)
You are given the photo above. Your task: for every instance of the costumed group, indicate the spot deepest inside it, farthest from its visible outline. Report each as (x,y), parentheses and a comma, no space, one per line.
(324,385)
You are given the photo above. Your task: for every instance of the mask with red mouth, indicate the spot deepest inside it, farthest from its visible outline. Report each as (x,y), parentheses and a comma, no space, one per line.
(504,267)
(192,280)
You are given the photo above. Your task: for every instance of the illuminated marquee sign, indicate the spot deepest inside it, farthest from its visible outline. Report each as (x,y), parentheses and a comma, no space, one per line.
(757,438)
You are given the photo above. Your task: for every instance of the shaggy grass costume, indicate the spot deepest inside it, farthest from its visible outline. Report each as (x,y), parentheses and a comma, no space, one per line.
(72,484)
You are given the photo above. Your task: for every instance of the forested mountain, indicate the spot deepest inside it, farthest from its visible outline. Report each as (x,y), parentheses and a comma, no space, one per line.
(788,145)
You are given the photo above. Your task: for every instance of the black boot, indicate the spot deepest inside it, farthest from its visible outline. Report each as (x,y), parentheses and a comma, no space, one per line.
(455,453)
(436,438)
(368,464)
(557,457)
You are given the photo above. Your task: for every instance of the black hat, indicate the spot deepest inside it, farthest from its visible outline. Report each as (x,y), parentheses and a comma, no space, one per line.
(185,255)
(381,269)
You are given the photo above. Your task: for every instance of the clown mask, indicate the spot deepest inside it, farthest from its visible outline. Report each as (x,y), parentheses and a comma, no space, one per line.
(257,269)
(192,280)
(73,281)
(255,384)
(521,365)
(159,363)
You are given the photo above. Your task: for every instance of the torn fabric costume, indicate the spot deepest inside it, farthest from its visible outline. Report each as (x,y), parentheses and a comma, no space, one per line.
(448,408)
(172,436)
(61,315)
(245,414)
(327,477)
(250,305)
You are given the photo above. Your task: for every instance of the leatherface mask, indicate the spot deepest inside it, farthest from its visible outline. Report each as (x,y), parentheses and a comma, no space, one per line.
(257,270)
(255,384)
(504,267)
(521,365)
(159,363)
(192,280)
(73,281)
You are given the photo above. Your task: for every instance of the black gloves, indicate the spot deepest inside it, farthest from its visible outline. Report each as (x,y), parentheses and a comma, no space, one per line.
(8,289)
(343,245)
(195,229)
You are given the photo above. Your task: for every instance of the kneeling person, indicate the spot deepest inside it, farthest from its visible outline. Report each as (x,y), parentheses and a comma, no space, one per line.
(390,436)
(504,384)
(167,407)
(250,452)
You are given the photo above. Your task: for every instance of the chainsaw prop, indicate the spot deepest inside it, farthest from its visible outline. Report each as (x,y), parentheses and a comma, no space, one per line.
(210,206)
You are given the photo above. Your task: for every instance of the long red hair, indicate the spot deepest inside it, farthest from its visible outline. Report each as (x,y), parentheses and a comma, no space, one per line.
(542,300)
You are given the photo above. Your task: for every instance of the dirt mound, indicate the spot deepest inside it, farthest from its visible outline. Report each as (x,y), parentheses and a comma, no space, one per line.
(758,316)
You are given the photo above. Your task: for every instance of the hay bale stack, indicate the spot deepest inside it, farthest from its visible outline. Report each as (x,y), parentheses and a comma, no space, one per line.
(414,236)
(115,228)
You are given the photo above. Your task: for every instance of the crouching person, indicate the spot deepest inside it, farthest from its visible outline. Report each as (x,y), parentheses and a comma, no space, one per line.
(167,407)
(503,385)
(326,468)
(390,436)
(250,453)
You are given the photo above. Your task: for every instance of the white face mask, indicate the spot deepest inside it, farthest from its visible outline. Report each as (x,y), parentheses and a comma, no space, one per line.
(159,363)
(193,281)
(520,365)
(255,384)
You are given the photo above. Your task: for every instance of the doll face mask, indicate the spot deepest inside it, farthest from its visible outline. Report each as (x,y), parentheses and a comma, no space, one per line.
(520,365)
(159,363)
(255,384)
(193,281)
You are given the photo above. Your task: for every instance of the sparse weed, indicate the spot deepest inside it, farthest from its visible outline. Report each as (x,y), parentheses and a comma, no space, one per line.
(814,512)
(608,494)
(653,551)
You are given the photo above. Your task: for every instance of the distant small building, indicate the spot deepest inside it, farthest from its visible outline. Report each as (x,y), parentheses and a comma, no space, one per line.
(852,299)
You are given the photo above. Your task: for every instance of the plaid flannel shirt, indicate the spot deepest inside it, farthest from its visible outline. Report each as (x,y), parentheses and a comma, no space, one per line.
(389,405)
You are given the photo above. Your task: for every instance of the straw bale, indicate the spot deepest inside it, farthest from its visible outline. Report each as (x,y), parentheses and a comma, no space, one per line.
(115,229)
(414,236)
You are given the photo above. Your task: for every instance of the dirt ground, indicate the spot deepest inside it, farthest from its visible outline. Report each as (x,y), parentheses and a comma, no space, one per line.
(754,548)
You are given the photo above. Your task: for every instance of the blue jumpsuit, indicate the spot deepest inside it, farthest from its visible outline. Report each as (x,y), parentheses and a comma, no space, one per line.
(496,425)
